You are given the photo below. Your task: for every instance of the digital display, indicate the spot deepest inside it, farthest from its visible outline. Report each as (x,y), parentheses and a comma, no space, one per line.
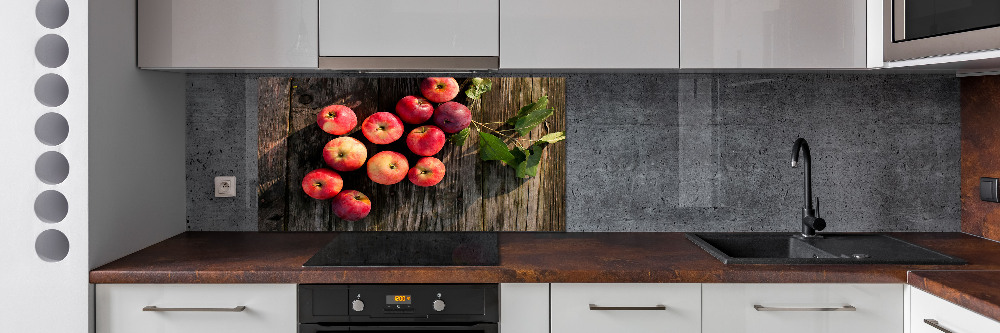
(397,299)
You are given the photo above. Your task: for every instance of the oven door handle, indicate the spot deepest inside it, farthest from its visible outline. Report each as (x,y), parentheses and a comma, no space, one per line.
(485,328)
(413,327)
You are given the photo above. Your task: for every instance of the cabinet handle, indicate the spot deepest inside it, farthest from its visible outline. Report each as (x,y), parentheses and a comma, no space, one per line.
(759,307)
(935,324)
(630,308)
(233,309)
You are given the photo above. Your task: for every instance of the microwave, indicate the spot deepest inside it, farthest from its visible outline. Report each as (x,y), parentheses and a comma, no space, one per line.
(915,29)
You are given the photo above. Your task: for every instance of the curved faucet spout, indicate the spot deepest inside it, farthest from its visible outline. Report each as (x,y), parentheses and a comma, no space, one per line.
(803,146)
(810,222)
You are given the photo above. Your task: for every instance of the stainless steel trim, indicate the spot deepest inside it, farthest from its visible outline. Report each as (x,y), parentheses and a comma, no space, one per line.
(424,64)
(963,42)
(759,307)
(158,309)
(935,324)
(898,20)
(627,308)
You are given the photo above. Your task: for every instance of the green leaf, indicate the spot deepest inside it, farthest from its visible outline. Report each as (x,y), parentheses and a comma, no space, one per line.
(533,162)
(459,138)
(525,124)
(477,87)
(493,149)
(542,103)
(520,155)
(551,138)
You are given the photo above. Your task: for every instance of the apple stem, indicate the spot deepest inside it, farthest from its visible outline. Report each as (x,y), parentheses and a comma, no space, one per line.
(480,126)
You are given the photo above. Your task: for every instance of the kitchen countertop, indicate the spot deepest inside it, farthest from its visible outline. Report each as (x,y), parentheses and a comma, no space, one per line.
(250,257)
(978,291)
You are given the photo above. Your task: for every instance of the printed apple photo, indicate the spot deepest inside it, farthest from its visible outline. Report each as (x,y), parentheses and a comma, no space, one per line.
(411,154)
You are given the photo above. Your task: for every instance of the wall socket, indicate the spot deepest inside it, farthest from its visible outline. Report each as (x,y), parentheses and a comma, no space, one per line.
(225,186)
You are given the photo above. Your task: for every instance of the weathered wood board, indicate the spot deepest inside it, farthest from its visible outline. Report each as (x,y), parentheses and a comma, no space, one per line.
(474,195)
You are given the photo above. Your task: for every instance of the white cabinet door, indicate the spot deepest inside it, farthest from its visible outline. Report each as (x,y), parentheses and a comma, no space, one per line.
(589,34)
(269,308)
(626,307)
(774,34)
(406,28)
(951,317)
(524,308)
(793,308)
(227,34)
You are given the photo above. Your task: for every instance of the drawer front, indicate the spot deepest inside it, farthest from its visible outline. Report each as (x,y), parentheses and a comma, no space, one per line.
(949,316)
(269,308)
(730,308)
(626,307)
(405,28)
(524,308)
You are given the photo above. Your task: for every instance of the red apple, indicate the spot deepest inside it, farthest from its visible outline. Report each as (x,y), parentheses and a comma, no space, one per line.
(425,140)
(414,110)
(345,153)
(439,89)
(387,167)
(382,128)
(452,117)
(427,172)
(322,184)
(337,119)
(351,205)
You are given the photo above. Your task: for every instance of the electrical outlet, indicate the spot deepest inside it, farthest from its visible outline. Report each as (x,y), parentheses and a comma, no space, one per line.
(225,186)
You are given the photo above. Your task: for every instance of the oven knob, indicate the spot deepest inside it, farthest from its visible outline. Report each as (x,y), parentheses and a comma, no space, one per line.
(358,305)
(438,305)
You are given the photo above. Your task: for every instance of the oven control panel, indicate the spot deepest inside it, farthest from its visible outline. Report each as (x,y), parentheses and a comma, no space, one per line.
(398,303)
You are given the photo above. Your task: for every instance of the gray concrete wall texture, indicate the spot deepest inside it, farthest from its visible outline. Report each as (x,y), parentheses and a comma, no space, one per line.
(682,152)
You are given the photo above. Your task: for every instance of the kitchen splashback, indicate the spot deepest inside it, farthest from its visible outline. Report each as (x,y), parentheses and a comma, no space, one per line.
(474,195)
(980,152)
(681,152)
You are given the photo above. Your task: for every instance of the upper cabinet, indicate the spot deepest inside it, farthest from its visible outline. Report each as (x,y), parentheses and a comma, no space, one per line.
(430,35)
(224,34)
(406,34)
(779,34)
(584,34)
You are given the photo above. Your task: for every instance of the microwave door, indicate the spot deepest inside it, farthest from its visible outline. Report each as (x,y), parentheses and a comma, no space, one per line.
(914,29)
(916,19)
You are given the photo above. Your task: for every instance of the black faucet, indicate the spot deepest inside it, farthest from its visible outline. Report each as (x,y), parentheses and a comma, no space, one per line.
(810,222)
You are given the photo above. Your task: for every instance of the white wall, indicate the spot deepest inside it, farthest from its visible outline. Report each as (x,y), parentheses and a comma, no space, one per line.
(124,187)
(136,141)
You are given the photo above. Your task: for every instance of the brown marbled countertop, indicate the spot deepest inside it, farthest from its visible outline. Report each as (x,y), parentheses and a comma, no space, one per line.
(978,291)
(250,257)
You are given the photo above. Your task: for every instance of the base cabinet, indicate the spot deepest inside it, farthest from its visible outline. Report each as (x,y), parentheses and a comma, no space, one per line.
(930,314)
(626,307)
(524,308)
(802,308)
(570,307)
(196,308)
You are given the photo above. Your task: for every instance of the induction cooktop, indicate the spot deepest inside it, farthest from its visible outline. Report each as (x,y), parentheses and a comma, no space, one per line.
(409,249)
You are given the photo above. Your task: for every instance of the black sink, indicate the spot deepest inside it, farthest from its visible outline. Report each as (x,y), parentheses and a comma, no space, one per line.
(787,248)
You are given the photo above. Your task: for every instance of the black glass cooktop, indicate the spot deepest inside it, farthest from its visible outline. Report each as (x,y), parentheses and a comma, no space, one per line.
(409,249)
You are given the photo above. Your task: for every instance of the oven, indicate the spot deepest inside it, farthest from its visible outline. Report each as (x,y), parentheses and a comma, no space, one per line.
(465,308)
(927,28)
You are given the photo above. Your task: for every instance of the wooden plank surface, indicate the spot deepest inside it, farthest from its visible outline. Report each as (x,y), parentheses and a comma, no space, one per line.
(473,196)
(272,156)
